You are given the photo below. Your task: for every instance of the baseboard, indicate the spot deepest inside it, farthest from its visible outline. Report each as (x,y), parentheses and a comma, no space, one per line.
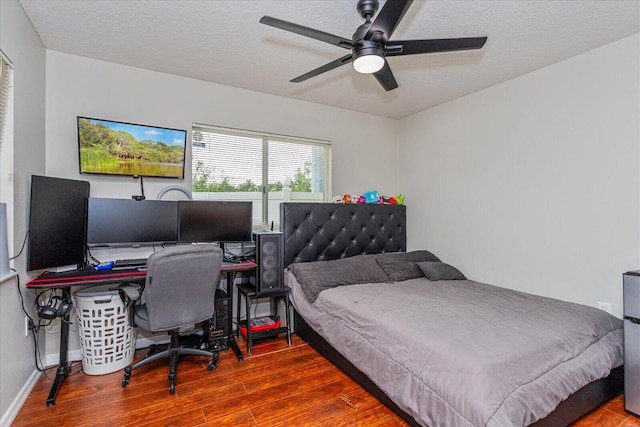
(76,355)
(23,394)
(72,356)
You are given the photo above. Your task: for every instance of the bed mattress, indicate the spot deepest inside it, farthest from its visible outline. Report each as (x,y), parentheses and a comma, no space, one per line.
(464,353)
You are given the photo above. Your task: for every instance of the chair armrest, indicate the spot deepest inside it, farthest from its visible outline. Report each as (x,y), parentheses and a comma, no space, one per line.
(129,292)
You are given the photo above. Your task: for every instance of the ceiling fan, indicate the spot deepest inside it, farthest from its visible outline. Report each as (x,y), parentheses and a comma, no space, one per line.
(370,44)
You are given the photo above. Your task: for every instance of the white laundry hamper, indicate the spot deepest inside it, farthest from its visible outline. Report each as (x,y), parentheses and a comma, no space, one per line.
(107,338)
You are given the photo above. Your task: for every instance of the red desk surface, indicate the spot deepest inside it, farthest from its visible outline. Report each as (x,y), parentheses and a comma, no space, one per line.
(91,276)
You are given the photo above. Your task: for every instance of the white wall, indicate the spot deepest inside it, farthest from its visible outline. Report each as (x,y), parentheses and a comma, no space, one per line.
(20,42)
(365,147)
(534,184)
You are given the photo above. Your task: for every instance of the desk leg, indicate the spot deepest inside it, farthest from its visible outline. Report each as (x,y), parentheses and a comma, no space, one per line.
(287,308)
(63,368)
(236,348)
(232,340)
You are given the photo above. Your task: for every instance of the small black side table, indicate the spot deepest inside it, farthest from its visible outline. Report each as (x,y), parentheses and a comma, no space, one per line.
(248,292)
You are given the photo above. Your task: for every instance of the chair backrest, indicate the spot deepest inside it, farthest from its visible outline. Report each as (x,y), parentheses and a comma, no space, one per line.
(180,285)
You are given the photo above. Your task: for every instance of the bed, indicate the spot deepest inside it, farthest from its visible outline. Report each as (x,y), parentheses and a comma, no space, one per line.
(447,351)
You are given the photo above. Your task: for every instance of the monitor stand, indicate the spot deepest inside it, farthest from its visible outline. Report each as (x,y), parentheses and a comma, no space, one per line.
(139,198)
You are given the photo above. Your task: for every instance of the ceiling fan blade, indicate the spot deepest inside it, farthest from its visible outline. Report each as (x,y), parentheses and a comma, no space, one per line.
(326,67)
(415,47)
(385,77)
(387,20)
(308,32)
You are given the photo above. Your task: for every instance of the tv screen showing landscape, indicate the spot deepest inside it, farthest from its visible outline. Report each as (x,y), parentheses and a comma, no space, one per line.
(117,148)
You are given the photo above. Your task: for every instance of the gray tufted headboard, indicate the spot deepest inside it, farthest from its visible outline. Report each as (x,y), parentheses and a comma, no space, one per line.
(326,231)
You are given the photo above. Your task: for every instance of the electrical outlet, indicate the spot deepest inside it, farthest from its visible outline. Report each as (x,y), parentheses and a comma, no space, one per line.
(26,326)
(606,306)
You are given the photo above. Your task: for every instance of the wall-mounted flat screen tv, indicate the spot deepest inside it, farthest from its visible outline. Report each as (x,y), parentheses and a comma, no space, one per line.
(116,148)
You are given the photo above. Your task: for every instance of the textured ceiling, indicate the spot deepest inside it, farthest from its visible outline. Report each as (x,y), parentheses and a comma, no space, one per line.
(223,42)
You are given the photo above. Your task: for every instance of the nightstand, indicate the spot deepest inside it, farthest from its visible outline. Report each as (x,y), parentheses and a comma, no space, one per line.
(248,292)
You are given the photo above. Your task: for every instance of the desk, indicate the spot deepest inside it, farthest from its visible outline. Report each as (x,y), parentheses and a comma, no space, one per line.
(92,277)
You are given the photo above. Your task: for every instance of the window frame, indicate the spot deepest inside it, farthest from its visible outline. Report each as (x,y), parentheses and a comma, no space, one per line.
(268,139)
(7,147)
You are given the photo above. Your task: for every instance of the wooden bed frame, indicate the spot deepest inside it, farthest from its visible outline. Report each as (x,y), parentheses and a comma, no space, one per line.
(325,231)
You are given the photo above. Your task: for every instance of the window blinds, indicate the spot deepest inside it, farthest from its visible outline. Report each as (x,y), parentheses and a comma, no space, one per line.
(265,168)
(5,88)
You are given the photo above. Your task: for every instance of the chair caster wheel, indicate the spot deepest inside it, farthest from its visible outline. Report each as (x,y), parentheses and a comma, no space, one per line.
(172,387)
(126,377)
(213,362)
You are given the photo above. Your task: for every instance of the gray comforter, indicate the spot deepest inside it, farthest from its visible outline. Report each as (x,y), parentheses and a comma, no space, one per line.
(463,353)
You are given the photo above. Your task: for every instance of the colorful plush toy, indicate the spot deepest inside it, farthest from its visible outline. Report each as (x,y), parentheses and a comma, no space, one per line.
(387,200)
(371,197)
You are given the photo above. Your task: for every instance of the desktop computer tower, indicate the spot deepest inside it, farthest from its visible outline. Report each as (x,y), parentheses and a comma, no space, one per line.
(220,325)
(270,261)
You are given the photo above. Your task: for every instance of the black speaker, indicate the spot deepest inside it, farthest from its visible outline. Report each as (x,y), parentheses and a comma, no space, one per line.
(270,260)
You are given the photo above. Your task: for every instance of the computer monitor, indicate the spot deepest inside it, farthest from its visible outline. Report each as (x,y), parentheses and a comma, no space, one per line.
(214,221)
(57,222)
(127,222)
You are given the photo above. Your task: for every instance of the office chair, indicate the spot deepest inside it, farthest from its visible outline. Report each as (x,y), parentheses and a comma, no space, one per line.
(179,292)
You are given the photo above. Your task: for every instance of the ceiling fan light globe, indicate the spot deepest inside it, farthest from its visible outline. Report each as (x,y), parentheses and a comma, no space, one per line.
(368,64)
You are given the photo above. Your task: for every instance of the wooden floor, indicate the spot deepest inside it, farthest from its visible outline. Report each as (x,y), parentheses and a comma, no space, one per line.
(276,386)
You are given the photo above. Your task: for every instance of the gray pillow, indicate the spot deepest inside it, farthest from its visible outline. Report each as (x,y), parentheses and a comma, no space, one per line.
(317,276)
(401,266)
(440,271)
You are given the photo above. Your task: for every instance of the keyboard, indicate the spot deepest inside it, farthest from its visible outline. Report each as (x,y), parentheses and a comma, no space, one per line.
(124,264)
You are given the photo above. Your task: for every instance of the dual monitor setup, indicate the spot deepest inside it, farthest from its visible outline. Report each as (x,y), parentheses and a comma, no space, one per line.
(64,221)
(126,222)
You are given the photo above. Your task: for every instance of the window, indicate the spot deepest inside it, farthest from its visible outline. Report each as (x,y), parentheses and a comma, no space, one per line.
(6,156)
(266,169)
(6,129)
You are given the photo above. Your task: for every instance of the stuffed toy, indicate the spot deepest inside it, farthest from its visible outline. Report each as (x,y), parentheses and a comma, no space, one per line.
(371,197)
(387,200)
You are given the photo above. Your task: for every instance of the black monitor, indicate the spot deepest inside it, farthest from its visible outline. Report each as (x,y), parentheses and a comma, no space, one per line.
(215,221)
(57,222)
(126,222)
